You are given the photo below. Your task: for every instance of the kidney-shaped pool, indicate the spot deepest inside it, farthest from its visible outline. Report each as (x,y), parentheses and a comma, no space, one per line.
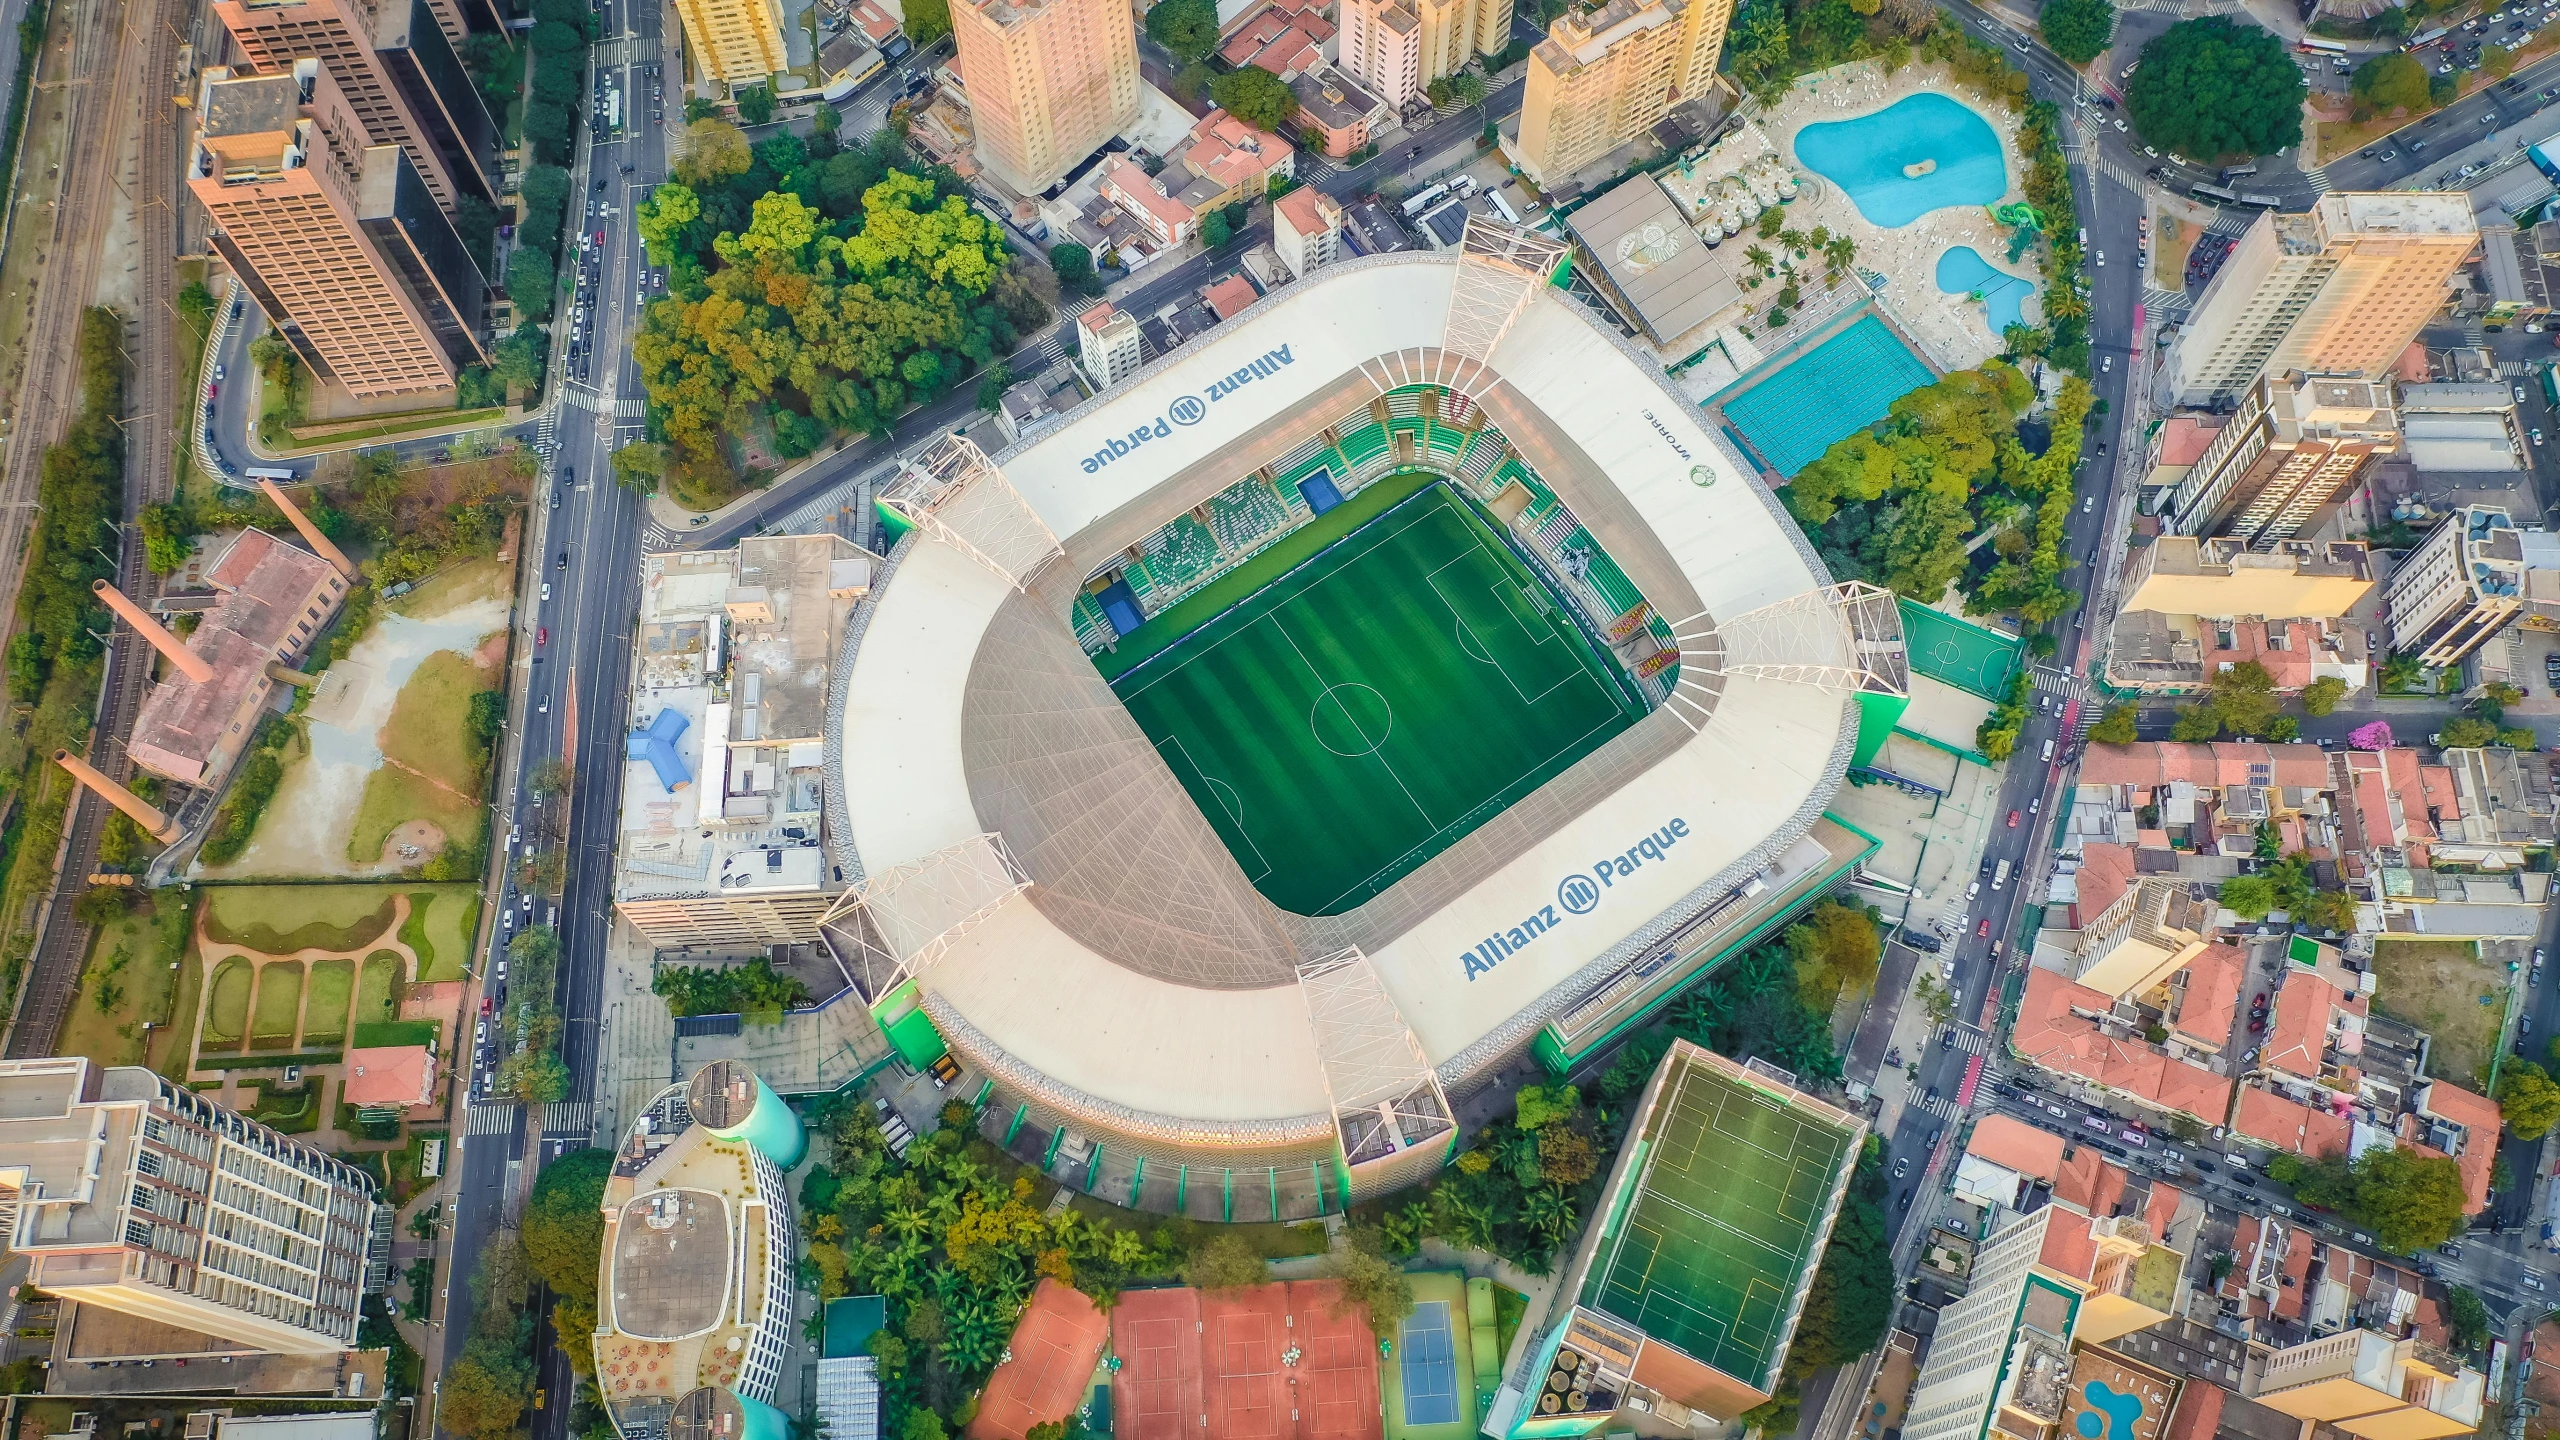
(1922,153)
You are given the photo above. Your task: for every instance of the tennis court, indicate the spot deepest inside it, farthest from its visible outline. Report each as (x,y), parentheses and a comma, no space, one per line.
(1337,1365)
(1727,1215)
(1430,1380)
(1844,384)
(1357,714)
(1156,1394)
(1430,1366)
(1272,1362)
(1052,1355)
(1958,652)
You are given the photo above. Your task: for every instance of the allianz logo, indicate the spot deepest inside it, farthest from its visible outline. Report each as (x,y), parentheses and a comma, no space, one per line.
(1188,410)
(1578,893)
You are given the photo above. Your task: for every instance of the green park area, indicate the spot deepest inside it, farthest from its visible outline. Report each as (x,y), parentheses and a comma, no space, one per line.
(2445,988)
(432,761)
(134,978)
(303,971)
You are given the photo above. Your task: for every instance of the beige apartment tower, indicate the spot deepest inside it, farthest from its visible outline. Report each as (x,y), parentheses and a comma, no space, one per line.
(339,241)
(736,42)
(2374,1386)
(1604,75)
(2338,292)
(396,67)
(126,1192)
(1048,82)
(1398,47)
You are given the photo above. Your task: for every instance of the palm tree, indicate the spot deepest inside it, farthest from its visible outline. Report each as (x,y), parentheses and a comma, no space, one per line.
(1758,257)
(1793,239)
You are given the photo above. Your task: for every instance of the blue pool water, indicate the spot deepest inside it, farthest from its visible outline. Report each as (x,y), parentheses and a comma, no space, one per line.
(1962,270)
(1866,157)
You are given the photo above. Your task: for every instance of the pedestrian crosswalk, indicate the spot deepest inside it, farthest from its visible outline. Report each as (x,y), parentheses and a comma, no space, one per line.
(2318,175)
(2231,222)
(488,1119)
(2054,682)
(1943,1109)
(568,1117)
(1968,1039)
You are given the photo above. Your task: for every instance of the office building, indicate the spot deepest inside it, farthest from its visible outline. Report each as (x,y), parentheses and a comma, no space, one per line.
(2003,1358)
(2373,1386)
(338,241)
(1108,342)
(129,1193)
(1607,74)
(1398,47)
(2296,445)
(723,775)
(1668,1316)
(695,1283)
(1306,229)
(398,71)
(1048,82)
(2462,584)
(736,42)
(2340,291)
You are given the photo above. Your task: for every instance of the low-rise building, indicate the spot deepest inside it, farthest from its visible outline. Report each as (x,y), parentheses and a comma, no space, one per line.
(723,845)
(2374,1387)
(2072,1030)
(1306,230)
(1110,345)
(1339,109)
(1285,37)
(1224,161)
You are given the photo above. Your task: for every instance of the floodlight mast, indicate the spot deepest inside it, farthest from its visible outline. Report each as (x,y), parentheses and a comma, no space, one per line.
(953,492)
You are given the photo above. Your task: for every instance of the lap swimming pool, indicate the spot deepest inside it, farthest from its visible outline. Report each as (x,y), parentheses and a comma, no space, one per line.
(1922,153)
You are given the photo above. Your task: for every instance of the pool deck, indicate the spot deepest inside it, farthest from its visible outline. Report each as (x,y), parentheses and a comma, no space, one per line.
(1954,330)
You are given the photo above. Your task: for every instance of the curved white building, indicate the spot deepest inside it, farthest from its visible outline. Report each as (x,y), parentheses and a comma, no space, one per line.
(1028,869)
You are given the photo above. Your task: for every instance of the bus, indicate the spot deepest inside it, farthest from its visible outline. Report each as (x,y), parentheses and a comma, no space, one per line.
(2260,202)
(2214,193)
(2313,44)
(2550,384)
(269,472)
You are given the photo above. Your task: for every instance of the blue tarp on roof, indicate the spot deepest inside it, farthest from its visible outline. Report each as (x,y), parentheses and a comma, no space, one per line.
(656,743)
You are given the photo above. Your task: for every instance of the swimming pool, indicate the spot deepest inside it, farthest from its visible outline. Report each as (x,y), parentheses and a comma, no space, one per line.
(1962,270)
(1870,158)
(1793,413)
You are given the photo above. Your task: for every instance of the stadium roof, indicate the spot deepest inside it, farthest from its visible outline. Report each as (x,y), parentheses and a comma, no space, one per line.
(1165,1001)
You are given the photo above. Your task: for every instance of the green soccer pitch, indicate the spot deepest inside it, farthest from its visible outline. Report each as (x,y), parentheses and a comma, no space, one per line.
(1361,711)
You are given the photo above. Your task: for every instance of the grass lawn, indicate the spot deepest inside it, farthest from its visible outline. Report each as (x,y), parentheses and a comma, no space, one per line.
(226,1016)
(454,586)
(279,1005)
(1509,1308)
(171,1046)
(385,1034)
(280,919)
(324,1020)
(376,1000)
(440,928)
(432,767)
(2446,989)
(2175,239)
(129,980)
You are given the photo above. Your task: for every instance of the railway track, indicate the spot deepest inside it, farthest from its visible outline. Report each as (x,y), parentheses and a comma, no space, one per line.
(144,66)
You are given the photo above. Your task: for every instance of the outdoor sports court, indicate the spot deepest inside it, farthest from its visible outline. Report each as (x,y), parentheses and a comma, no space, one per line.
(1959,652)
(1725,1223)
(1844,384)
(1220,1363)
(1055,1345)
(1364,709)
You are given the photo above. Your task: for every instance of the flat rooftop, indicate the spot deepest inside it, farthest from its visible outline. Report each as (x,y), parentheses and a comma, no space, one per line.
(670,1263)
(685,1255)
(1736,1178)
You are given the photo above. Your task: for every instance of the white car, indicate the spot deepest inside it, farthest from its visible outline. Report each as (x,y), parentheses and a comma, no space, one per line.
(546,590)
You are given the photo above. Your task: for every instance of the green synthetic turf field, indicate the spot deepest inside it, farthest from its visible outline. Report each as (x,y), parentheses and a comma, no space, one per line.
(1723,1224)
(1357,713)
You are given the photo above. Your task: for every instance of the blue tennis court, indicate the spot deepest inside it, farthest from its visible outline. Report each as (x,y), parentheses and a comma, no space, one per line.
(1843,384)
(1430,1366)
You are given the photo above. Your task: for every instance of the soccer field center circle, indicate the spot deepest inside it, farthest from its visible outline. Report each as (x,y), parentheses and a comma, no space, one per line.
(1143,990)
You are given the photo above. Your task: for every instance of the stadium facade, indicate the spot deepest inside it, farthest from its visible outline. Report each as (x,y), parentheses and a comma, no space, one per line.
(1211,961)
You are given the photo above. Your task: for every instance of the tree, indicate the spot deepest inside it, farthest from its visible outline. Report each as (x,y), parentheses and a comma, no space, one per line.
(2209,88)
(2244,698)
(2391,81)
(550,776)
(564,1222)
(2078,30)
(992,385)
(640,465)
(755,104)
(2116,727)
(1227,1262)
(714,150)
(927,21)
(2468,1317)
(519,358)
(2250,897)
(662,219)
(1836,949)
(2466,733)
(1255,96)
(1214,231)
(487,716)
(2196,723)
(1074,266)
(2411,1202)
(1187,29)
(2373,735)
(2321,696)
(2528,1099)
(1372,1284)
(531,284)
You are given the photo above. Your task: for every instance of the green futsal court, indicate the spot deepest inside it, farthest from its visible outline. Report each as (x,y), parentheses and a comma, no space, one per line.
(1358,711)
(1724,1224)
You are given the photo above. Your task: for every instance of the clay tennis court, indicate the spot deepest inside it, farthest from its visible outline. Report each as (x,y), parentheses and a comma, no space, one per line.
(1199,1363)
(1055,1346)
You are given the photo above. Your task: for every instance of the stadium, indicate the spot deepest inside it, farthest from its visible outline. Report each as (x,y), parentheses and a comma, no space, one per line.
(1394,682)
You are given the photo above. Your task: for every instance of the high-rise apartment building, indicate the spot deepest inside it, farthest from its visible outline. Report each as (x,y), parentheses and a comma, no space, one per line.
(1398,47)
(126,1192)
(2374,1386)
(2339,291)
(1605,75)
(737,42)
(2181,575)
(2462,584)
(2044,1280)
(1108,342)
(1306,229)
(395,64)
(1048,82)
(2296,445)
(339,241)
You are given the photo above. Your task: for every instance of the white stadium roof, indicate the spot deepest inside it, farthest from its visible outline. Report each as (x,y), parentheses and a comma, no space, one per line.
(1192,1029)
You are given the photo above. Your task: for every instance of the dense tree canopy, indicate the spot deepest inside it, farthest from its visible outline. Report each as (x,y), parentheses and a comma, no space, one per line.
(2410,1202)
(1187,29)
(2078,30)
(2528,1099)
(2212,88)
(1255,96)
(2388,82)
